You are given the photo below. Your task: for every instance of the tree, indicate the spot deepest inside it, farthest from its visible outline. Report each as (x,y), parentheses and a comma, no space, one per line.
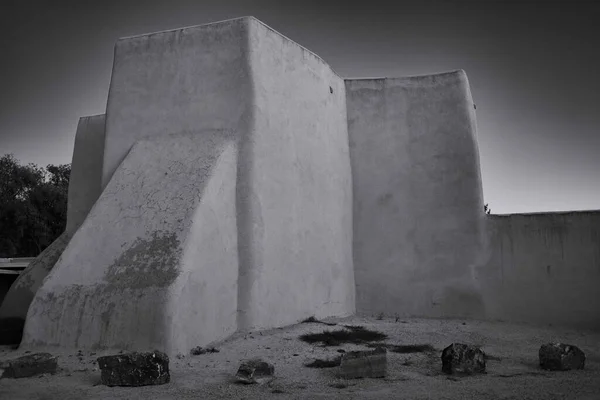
(33,206)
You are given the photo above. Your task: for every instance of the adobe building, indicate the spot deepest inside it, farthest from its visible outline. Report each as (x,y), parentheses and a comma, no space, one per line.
(236,182)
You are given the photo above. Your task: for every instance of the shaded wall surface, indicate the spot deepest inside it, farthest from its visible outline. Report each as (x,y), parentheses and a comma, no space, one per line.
(85,183)
(418,220)
(544,268)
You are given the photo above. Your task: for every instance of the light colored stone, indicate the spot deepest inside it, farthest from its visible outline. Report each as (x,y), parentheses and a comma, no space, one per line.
(364,364)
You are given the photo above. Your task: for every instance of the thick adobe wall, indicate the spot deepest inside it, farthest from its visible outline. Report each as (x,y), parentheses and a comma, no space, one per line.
(154,265)
(85,184)
(293,192)
(297,188)
(544,268)
(229,212)
(84,190)
(418,209)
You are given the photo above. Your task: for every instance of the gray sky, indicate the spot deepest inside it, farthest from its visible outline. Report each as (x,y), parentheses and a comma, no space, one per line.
(532,68)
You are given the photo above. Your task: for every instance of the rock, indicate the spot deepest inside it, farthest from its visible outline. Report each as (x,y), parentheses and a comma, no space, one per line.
(196,351)
(255,371)
(364,364)
(561,357)
(135,369)
(463,359)
(30,365)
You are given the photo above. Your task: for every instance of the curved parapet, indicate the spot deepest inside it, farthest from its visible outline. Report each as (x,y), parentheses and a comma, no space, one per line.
(155,263)
(418,202)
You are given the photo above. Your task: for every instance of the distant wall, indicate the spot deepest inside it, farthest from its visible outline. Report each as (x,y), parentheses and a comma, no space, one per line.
(544,268)
(85,184)
(418,207)
(297,188)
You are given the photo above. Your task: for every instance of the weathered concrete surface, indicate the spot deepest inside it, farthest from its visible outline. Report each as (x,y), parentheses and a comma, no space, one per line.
(544,268)
(85,184)
(295,187)
(21,293)
(418,219)
(155,263)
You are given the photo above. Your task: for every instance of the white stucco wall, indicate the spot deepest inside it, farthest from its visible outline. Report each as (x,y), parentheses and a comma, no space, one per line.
(418,208)
(544,269)
(296,188)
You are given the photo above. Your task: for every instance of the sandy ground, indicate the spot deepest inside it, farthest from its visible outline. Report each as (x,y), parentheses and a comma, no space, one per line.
(513,373)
